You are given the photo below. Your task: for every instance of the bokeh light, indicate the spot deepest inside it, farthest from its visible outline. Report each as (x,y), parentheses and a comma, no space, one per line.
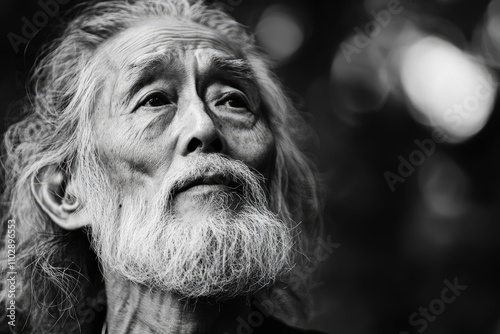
(280,32)
(444,186)
(449,88)
(487,35)
(363,73)
(359,85)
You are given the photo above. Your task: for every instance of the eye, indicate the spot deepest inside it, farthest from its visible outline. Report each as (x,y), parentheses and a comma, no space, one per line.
(233,101)
(155,100)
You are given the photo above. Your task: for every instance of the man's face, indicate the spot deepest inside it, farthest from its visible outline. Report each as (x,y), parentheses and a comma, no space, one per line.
(177,91)
(183,143)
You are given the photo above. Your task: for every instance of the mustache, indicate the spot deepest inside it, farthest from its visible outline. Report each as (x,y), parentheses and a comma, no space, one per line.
(214,169)
(209,178)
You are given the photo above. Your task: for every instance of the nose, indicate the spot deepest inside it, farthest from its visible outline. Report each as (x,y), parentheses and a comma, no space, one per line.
(202,133)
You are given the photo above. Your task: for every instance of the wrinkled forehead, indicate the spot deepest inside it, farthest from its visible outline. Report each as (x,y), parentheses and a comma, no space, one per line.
(170,38)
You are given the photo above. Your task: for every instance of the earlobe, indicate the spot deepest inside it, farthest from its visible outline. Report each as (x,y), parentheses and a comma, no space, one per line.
(51,190)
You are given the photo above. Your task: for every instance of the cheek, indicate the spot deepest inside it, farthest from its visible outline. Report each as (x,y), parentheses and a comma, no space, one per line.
(255,147)
(129,158)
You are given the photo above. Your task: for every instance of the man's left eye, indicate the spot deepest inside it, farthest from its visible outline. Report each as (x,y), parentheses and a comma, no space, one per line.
(233,101)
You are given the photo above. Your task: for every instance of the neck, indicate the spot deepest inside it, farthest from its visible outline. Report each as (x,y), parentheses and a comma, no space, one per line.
(134,308)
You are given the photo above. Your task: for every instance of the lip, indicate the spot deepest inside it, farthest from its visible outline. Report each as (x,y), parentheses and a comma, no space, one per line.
(206,184)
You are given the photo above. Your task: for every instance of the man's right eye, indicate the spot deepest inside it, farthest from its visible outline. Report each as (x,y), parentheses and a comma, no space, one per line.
(155,100)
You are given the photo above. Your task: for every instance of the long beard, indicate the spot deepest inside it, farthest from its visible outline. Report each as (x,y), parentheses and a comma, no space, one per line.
(222,252)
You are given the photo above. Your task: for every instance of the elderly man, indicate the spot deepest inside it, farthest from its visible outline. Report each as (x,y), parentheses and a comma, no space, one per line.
(158,163)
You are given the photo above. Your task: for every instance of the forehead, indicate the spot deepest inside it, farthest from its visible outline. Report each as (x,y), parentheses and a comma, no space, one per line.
(166,37)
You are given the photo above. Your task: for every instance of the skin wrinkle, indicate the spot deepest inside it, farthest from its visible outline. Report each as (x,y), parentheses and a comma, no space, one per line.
(159,307)
(198,36)
(156,126)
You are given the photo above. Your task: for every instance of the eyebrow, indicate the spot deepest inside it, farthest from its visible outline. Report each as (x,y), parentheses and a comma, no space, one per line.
(146,63)
(237,68)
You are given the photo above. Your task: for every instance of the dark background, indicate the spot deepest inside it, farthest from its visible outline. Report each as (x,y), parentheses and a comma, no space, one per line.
(396,247)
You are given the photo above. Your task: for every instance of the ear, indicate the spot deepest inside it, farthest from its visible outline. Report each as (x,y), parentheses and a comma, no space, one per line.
(52,191)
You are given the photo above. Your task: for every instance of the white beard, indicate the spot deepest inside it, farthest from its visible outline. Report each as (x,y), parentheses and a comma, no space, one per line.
(218,253)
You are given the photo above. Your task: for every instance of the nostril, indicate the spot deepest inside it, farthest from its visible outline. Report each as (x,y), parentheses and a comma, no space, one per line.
(217,145)
(194,143)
